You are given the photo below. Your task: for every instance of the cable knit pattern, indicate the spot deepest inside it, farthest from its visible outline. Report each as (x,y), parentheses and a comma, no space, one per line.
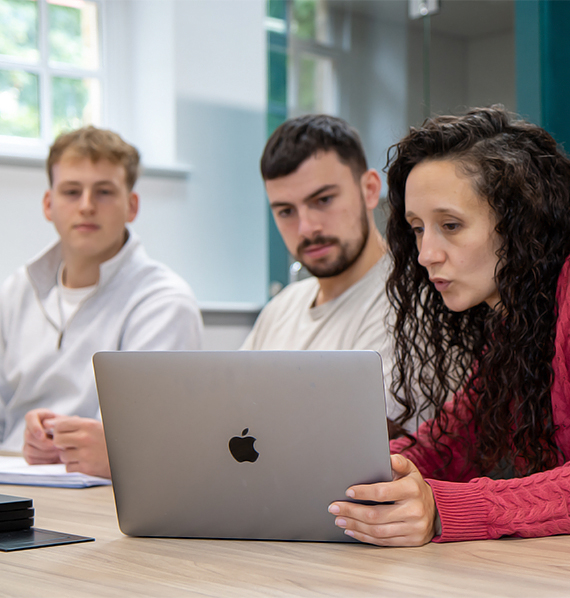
(473,508)
(561,364)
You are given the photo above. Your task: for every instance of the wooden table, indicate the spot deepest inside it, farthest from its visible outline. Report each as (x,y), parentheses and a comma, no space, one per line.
(115,565)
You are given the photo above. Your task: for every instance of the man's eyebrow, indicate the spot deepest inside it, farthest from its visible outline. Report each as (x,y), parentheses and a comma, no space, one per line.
(69,182)
(321,190)
(103,182)
(316,193)
(106,182)
(279,204)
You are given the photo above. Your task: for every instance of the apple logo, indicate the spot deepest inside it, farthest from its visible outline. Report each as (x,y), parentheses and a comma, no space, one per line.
(241,447)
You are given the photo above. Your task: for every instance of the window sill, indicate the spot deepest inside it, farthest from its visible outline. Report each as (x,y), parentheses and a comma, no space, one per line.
(177,171)
(13,160)
(229,307)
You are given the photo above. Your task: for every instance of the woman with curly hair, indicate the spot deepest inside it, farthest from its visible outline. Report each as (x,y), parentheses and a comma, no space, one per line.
(479,230)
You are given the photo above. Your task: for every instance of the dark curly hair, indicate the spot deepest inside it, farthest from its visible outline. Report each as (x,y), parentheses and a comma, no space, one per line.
(502,357)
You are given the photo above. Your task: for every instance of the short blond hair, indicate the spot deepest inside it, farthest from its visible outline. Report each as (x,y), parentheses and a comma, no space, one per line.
(96,144)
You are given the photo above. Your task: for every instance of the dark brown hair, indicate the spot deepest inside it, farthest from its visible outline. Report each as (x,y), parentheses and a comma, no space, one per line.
(502,358)
(298,139)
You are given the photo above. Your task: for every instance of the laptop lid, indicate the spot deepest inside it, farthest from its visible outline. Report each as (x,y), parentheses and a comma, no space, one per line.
(240,444)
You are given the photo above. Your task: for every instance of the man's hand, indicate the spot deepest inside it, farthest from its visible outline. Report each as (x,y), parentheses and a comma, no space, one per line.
(81,444)
(78,442)
(38,442)
(409,521)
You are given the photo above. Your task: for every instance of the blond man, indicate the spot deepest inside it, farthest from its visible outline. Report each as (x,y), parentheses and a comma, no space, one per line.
(94,289)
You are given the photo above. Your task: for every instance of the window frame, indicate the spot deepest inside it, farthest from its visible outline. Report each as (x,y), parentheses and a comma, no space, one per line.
(14,146)
(300,47)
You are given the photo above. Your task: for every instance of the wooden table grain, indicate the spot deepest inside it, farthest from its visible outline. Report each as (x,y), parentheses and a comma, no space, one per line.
(116,565)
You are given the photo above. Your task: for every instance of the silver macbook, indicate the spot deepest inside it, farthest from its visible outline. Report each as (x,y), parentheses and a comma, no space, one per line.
(240,444)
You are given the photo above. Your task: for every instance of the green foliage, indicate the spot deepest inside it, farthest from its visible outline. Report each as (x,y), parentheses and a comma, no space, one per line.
(304,18)
(19,104)
(65,38)
(70,98)
(307,84)
(19,29)
(72,37)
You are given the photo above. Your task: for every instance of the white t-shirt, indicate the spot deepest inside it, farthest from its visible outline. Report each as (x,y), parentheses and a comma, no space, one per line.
(65,300)
(357,319)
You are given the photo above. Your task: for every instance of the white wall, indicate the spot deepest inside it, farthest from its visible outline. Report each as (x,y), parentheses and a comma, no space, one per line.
(220,52)
(23,229)
(221,91)
(140,75)
(153,38)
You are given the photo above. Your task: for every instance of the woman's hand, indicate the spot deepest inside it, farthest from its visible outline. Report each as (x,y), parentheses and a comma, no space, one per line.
(409,521)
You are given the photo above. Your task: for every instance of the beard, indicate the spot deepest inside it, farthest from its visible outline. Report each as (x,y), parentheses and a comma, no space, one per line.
(350,251)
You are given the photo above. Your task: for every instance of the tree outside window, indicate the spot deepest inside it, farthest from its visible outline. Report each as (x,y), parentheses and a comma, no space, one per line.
(313,52)
(50,68)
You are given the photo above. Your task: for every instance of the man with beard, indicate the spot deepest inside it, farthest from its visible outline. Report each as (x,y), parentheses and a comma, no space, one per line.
(322,195)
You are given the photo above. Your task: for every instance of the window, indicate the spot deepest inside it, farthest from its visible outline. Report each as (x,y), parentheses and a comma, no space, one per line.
(310,21)
(313,52)
(304,44)
(276,26)
(50,70)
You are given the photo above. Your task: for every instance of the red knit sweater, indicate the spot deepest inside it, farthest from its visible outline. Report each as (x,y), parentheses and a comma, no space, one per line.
(475,508)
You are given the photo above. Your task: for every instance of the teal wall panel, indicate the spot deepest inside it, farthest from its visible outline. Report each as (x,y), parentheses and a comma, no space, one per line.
(555,67)
(528,55)
(542,30)
(276,114)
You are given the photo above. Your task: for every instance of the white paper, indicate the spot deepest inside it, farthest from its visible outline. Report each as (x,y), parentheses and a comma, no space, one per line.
(15,470)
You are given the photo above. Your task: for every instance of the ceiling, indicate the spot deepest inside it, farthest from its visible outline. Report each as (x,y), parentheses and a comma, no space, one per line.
(458,18)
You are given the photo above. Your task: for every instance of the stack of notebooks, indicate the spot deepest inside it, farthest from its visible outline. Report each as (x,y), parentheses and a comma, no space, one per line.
(15,513)
(17,531)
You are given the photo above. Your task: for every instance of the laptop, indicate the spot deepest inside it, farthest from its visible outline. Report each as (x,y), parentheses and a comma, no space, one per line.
(240,444)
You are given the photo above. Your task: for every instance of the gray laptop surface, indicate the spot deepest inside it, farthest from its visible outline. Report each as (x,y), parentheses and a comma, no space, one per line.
(240,444)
